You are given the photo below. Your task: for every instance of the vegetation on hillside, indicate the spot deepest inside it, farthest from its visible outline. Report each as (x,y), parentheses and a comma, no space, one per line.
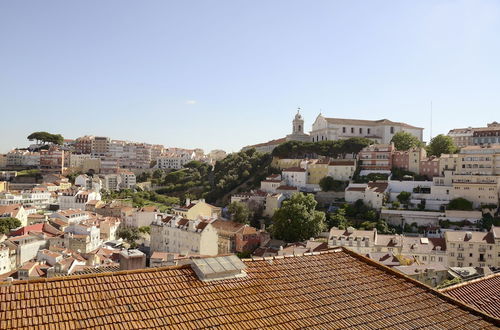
(142,198)
(297,149)
(7,224)
(360,216)
(297,219)
(441,144)
(328,183)
(199,179)
(460,204)
(405,141)
(46,138)
(400,174)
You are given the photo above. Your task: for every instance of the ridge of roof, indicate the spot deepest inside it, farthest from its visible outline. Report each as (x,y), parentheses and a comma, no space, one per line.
(458,285)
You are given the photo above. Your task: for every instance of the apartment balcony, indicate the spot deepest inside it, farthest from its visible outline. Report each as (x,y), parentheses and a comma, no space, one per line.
(460,249)
(482,249)
(460,258)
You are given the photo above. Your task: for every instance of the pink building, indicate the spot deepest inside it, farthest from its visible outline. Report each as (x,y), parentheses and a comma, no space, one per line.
(377,157)
(429,167)
(401,159)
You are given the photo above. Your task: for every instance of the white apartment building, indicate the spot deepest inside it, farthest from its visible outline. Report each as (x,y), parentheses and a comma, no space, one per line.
(295,176)
(271,183)
(381,131)
(38,199)
(433,193)
(421,250)
(372,194)
(128,179)
(342,170)
(175,160)
(5,265)
(179,235)
(473,249)
(23,158)
(71,216)
(82,238)
(76,199)
(111,181)
(142,217)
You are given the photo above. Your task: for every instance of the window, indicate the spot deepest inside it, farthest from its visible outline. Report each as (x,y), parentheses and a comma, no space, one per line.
(343,129)
(392,130)
(352,129)
(360,130)
(369,131)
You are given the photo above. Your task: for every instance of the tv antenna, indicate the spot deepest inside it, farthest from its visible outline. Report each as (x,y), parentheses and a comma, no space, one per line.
(431,124)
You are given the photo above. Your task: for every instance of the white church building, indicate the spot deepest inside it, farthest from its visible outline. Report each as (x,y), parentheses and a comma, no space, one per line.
(380,131)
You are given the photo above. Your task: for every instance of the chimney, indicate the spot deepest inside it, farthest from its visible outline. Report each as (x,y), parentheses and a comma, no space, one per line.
(188,201)
(170,258)
(192,225)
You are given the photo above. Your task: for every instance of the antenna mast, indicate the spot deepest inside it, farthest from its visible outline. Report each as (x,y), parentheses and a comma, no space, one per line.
(431,124)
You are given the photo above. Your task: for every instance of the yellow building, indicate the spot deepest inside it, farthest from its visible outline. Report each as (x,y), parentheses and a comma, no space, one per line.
(447,162)
(477,174)
(286,163)
(480,190)
(4,186)
(195,209)
(415,155)
(317,171)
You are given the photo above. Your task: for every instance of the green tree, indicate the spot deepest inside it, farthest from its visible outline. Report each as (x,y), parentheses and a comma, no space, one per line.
(297,219)
(460,204)
(129,234)
(157,174)
(46,137)
(487,221)
(441,144)
(239,212)
(145,230)
(7,224)
(404,197)
(338,219)
(326,183)
(383,227)
(404,141)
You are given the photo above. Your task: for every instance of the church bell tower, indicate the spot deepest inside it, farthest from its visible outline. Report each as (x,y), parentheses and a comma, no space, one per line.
(298,123)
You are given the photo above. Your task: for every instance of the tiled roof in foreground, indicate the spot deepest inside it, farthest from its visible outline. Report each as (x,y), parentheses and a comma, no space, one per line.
(326,290)
(483,294)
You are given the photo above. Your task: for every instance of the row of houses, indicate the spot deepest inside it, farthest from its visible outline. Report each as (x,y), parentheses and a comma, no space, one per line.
(453,249)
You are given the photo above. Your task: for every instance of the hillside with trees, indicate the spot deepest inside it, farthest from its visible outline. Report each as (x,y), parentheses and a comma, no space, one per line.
(334,149)
(237,172)
(46,138)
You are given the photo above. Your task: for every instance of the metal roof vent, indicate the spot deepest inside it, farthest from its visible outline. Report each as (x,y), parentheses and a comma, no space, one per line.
(219,268)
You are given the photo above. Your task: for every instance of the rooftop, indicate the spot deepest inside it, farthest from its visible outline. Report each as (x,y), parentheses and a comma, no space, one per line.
(338,287)
(483,294)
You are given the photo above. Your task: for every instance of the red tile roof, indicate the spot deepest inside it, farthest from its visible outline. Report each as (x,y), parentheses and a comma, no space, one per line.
(483,294)
(294,169)
(324,290)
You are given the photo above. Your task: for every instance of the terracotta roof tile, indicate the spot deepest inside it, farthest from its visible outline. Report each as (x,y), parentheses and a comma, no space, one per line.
(324,290)
(483,294)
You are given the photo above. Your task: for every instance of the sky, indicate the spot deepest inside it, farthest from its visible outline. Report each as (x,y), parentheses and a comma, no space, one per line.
(225,74)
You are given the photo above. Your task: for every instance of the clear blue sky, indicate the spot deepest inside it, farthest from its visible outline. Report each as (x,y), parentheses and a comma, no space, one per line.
(224,74)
